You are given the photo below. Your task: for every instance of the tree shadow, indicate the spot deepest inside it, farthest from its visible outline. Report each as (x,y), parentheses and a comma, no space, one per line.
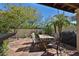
(22,49)
(26,43)
(47,54)
(68,47)
(75,54)
(35,49)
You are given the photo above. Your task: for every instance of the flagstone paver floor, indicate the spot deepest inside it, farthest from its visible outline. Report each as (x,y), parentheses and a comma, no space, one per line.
(21,47)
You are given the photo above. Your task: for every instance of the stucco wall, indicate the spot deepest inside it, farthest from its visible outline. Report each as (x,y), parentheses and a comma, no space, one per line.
(25,32)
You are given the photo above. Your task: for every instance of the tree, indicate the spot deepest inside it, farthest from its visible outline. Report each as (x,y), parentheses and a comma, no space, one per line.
(22,14)
(59,21)
(28,25)
(4,23)
(14,16)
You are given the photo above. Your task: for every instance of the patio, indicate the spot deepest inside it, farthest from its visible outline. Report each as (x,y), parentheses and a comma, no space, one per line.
(21,47)
(24,45)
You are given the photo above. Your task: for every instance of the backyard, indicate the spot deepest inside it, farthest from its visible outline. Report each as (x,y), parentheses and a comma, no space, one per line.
(26,30)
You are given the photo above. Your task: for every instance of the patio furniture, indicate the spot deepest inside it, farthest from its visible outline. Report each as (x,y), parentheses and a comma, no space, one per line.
(47,40)
(37,41)
(46,37)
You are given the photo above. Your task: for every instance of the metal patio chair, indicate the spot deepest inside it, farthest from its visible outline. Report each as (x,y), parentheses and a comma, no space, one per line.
(37,41)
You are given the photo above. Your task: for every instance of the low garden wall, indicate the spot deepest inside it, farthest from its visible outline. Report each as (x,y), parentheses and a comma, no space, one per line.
(25,32)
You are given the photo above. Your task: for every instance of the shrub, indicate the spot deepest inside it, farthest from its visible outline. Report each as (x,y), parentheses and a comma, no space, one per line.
(48,29)
(4,47)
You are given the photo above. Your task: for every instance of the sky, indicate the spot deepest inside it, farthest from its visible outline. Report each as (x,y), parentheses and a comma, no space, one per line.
(44,10)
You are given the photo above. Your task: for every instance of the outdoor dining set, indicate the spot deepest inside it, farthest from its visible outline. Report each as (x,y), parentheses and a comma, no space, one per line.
(41,40)
(44,42)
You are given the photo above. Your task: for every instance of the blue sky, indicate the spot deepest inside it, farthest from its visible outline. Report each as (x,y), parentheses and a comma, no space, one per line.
(44,10)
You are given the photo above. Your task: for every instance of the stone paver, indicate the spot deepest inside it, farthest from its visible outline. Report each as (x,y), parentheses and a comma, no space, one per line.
(23,45)
(21,48)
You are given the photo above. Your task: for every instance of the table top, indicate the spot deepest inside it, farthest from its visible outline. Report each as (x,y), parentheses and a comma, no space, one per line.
(46,37)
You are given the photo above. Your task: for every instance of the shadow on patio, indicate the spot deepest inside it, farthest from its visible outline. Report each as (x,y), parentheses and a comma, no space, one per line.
(75,54)
(24,47)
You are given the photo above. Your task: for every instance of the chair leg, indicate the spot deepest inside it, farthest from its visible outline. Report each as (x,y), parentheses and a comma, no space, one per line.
(33,44)
(43,46)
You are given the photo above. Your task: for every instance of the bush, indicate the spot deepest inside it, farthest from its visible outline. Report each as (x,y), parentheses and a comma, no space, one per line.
(48,29)
(4,48)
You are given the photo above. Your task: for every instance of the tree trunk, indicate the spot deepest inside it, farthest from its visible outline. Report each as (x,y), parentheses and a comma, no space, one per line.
(60,37)
(15,31)
(55,28)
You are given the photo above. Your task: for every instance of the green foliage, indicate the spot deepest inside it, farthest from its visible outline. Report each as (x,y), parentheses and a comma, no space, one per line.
(60,21)
(4,47)
(29,26)
(48,29)
(15,16)
(4,25)
(57,23)
(19,15)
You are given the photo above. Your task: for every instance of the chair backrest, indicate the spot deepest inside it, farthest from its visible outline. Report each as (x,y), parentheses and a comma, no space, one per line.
(56,35)
(35,37)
